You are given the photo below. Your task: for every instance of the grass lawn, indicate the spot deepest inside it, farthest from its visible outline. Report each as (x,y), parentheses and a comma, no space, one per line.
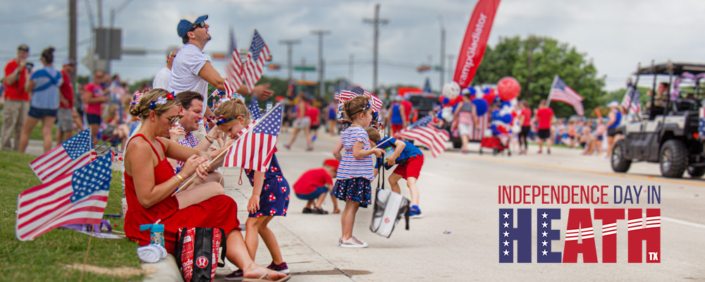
(45,258)
(37,131)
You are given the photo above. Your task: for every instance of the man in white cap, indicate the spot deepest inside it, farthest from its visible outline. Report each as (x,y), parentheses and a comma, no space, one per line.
(192,70)
(161,80)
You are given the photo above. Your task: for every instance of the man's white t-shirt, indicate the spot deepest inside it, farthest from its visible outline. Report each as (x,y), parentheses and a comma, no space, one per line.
(184,72)
(161,80)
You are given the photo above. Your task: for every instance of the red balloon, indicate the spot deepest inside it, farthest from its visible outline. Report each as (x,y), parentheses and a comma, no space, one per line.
(489,97)
(440,99)
(508,88)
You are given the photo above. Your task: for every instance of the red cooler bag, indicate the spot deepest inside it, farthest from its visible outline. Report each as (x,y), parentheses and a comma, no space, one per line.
(197,251)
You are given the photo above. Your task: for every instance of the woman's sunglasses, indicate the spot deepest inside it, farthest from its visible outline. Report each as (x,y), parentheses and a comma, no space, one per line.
(174,119)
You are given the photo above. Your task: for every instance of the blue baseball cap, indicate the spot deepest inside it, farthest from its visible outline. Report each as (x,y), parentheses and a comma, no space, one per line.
(186,24)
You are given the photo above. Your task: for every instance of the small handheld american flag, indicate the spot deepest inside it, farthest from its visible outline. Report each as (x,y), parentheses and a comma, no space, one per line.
(426,134)
(233,68)
(72,154)
(254,63)
(561,92)
(78,197)
(255,148)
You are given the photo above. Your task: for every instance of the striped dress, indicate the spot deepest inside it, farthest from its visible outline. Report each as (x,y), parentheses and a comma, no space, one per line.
(350,167)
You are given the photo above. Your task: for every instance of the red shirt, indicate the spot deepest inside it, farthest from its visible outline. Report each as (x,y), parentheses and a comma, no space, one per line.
(544,115)
(313,113)
(312,179)
(94,108)
(526,113)
(66,91)
(407,108)
(15,91)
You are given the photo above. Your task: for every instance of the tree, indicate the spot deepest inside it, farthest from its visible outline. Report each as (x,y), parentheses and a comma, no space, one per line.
(535,61)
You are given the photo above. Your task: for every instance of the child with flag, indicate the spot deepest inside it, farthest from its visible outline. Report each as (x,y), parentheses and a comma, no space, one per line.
(409,161)
(356,168)
(270,190)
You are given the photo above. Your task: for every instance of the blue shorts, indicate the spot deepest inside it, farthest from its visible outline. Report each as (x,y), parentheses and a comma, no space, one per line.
(313,195)
(93,119)
(40,113)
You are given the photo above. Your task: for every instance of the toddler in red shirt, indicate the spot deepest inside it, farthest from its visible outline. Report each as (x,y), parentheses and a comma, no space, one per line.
(314,185)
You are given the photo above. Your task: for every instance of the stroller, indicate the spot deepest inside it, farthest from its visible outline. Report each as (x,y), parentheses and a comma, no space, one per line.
(496,143)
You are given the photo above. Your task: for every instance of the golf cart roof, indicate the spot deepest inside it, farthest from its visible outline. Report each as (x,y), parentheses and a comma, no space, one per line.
(678,68)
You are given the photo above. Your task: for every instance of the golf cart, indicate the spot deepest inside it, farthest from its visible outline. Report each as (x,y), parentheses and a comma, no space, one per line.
(668,135)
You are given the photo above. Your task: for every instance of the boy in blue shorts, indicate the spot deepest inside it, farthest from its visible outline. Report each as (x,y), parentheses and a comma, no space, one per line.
(409,161)
(314,185)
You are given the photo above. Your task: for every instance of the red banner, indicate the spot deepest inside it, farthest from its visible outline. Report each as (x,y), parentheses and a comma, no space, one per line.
(475,41)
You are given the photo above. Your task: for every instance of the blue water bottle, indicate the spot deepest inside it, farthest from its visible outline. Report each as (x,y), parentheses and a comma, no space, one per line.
(156,232)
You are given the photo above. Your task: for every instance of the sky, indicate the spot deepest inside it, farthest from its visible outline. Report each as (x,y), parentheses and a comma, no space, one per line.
(616,35)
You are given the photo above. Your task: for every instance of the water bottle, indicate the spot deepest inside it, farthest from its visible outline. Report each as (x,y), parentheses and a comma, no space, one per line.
(156,232)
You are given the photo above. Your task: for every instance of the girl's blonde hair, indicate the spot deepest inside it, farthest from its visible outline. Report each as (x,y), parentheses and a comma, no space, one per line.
(355,106)
(231,109)
(111,113)
(146,106)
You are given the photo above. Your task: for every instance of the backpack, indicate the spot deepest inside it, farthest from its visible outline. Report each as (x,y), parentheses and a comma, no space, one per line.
(197,250)
(389,207)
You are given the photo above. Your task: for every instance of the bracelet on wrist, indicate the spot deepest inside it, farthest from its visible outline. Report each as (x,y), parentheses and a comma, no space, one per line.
(209,140)
(179,178)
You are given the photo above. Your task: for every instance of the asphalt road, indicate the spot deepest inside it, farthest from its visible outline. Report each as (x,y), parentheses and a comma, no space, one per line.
(458,238)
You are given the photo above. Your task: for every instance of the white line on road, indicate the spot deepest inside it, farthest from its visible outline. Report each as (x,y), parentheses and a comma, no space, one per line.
(682,222)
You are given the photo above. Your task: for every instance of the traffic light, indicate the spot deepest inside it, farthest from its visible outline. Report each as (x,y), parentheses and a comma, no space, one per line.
(424,68)
(273,66)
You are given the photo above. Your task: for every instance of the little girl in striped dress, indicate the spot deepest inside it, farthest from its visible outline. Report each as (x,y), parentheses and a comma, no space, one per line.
(356,168)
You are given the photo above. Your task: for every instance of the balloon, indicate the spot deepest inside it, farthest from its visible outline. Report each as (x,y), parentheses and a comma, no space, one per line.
(495,115)
(472,90)
(514,102)
(451,90)
(507,118)
(489,97)
(494,129)
(445,101)
(505,104)
(480,106)
(440,99)
(508,88)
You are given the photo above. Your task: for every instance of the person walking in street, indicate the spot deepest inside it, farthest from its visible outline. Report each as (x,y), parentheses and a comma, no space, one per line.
(525,122)
(397,117)
(615,119)
(16,103)
(161,79)
(64,115)
(332,118)
(356,169)
(94,95)
(466,116)
(302,123)
(43,88)
(544,117)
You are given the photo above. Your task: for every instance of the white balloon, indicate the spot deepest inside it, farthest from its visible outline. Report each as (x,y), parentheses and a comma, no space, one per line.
(514,102)
(447,114)
(451,90)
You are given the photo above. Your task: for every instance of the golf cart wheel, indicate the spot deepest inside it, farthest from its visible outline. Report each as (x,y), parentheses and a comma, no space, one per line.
(619,163)
(696,172)
(673,159)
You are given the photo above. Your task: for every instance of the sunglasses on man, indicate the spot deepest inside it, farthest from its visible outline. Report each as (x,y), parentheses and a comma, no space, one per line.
(195,26)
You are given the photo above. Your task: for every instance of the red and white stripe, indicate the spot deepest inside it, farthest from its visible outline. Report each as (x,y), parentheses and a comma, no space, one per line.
(253,70)
(345,95)
(251,151)
(57,162)
(431,137)
(570,97)
(233,73)
(478,132)
(609,229)
(572,234)
(48,206)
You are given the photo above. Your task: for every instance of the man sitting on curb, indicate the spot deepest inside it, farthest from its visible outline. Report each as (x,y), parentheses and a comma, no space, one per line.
(315,184)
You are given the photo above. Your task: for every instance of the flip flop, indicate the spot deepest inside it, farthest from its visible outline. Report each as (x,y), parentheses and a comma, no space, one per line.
(265,278)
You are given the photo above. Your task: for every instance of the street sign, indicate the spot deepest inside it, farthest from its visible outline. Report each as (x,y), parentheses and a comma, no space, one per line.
(305,68)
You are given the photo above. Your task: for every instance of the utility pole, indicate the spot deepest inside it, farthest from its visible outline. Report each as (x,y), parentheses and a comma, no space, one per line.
(303,65)
(100,13)
(321,83)
(73,37)
(289,43)
(375,22)
(350,70)
(443,50)
(450,67)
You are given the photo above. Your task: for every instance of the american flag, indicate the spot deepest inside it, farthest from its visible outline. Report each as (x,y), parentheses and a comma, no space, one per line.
(254,63)
(253,108)
(78,197)
(426,134)
(563,93)
(72,154)
(256,145)
(345,95)
(631,100)
(233,68)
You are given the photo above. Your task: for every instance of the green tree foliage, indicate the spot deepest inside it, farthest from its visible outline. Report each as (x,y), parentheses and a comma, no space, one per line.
(535,61)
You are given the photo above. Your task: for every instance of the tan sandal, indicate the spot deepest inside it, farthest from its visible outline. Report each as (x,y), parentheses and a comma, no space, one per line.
(265,278)
(336,211)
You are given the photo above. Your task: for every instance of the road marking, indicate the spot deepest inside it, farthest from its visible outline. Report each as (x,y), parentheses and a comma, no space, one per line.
(683,222)
(651,178)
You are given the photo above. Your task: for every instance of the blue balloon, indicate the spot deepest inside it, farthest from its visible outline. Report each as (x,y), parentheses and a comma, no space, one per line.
(445,101)
(495,115)
(440,115)
(507,118)
(472,90)
(503,104)
(480,106)
(494,129)
(486,90)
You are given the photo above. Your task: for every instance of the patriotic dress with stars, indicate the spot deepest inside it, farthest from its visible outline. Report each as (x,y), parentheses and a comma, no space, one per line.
(274,198)
(216,212)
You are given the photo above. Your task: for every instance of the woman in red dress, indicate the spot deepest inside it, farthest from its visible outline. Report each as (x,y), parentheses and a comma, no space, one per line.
(150,181)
